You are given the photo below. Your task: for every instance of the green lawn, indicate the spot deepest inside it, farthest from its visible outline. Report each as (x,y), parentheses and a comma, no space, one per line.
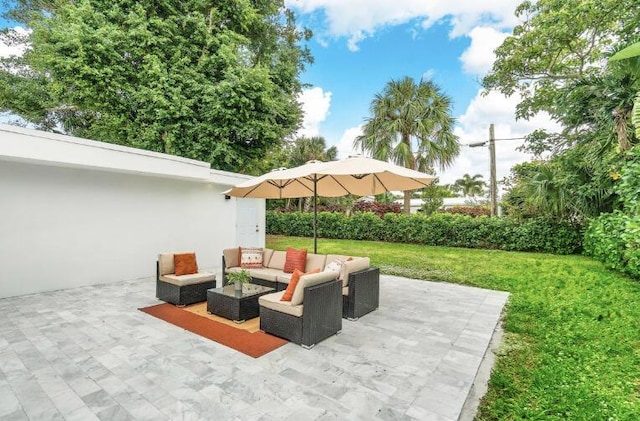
(571,349)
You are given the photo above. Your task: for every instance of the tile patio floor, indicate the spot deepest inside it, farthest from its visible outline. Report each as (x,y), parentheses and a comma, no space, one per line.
(88,353)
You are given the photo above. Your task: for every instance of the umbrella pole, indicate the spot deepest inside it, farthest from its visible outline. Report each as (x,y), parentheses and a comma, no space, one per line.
(315,215)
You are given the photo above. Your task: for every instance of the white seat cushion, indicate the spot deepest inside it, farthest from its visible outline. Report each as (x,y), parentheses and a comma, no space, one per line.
(266,257)
(231,257)
(307,281)
(315,261)
(355,265)
(277,260)
(165,261)
(284,278)
(267,274)
(182,280)
(272,301)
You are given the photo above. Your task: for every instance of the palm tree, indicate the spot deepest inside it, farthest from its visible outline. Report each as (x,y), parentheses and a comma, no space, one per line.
(470,186)
(306,149)
(411,125)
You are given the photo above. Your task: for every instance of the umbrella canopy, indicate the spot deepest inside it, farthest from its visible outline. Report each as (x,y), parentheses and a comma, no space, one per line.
(354,175)
(358,175)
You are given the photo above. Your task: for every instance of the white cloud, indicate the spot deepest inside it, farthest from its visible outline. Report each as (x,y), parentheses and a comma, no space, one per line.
(11,45)
(345,144)
(352,43)
(315,106)
(474,127)
(429,74)
(479,56)
(357,19)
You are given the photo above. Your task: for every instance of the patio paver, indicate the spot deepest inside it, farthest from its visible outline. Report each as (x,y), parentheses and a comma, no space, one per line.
(88,353)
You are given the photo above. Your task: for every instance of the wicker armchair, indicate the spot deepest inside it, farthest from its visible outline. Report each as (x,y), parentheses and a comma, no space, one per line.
(181,290)
(362,293)
(316,320)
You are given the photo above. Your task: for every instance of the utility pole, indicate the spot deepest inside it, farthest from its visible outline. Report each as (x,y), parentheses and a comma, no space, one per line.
(493,181)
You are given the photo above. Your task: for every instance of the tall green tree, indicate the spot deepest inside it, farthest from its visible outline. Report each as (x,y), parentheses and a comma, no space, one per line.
(567,186)
(470,186)
(558,43)
(410,125)
(555,61)
(209,80)
(630,52)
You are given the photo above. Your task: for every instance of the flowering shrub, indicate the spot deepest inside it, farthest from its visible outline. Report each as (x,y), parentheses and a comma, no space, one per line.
(321,208)
(378,208)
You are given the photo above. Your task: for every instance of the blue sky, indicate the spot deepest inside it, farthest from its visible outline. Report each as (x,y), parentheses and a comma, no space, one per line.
(359,45)
(354,77)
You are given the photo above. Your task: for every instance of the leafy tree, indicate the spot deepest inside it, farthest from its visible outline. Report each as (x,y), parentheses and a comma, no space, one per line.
(432,196)
(210,80)
(554,60)
(557,43)
(596,117)
(564,187)
(411,125)
(629,52)
(470,186)
(275,157)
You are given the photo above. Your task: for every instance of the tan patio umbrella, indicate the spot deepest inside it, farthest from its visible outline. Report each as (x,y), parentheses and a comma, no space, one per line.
(355,175)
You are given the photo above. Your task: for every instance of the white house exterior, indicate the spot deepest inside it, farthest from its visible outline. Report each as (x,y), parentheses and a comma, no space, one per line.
(77,212)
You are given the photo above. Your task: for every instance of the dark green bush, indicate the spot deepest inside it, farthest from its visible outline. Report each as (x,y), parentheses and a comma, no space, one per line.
(538,235)
(614,239)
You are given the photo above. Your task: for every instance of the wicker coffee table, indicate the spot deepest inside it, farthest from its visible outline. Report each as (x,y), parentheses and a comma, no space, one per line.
(236,305)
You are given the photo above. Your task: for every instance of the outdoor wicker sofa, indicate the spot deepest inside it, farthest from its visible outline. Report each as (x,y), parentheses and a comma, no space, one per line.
(181,290)
(360,282)
(313,314)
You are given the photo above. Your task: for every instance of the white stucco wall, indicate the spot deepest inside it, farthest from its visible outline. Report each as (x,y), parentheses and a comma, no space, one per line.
(64,226)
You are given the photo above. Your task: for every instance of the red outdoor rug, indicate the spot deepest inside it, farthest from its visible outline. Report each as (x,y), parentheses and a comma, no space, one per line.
(253,344)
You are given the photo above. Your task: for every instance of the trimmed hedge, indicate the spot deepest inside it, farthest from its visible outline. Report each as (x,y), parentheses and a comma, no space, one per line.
(537,235)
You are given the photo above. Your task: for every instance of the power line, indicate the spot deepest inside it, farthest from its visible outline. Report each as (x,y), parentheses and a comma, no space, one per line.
(484,142)
(512,138)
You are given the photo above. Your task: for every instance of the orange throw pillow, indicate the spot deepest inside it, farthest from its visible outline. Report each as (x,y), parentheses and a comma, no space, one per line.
(295,259)
(185,263)
(288,293)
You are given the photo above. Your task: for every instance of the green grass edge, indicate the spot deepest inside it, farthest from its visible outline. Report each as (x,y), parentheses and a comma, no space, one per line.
(571,348)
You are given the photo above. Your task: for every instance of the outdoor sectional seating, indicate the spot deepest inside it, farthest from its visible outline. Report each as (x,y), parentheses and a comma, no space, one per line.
(360,282)
(181,290)
(313,314)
